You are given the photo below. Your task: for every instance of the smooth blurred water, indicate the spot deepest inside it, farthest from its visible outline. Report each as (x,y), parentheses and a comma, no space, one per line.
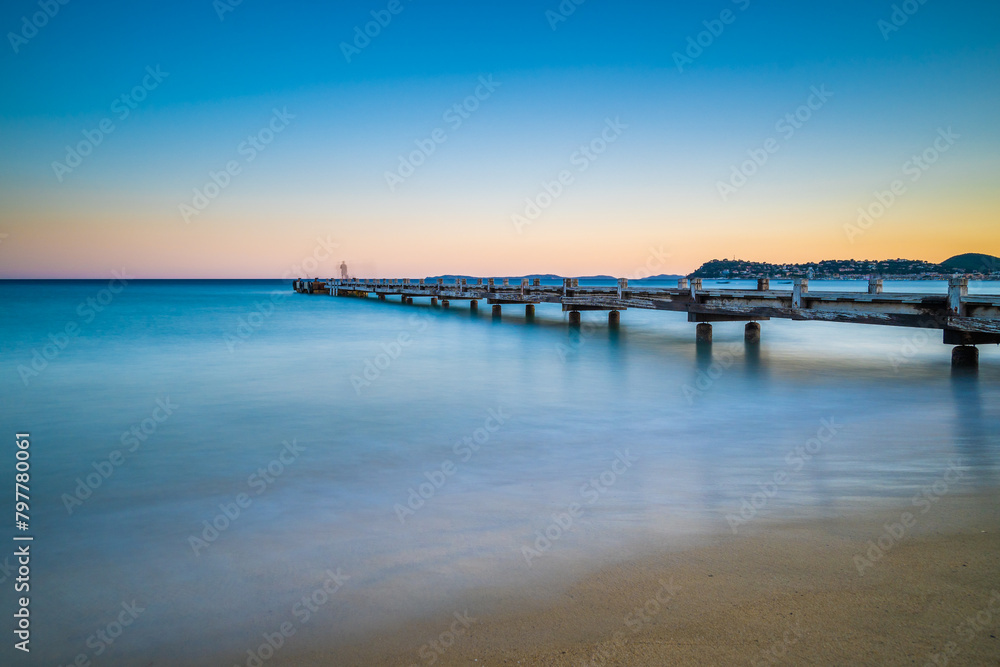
(250,366)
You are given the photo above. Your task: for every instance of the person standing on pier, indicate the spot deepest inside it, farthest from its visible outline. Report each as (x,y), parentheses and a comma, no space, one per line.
(343,270)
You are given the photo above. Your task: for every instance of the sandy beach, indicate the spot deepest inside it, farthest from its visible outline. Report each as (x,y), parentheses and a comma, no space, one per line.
(813,592)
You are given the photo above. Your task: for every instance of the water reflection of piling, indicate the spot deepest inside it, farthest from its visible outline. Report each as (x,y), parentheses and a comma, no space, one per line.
(973,439)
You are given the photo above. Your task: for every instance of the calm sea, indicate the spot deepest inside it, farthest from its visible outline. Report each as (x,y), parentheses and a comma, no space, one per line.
(211,460)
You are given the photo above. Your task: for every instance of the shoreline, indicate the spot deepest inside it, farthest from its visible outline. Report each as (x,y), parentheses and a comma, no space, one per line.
(779,592)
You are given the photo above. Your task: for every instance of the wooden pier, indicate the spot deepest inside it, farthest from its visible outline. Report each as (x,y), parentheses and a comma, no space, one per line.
(966,320)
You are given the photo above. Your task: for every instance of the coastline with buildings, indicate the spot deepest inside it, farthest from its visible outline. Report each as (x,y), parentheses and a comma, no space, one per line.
(973,266)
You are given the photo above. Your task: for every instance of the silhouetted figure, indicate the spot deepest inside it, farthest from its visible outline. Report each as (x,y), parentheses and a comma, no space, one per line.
(343,270)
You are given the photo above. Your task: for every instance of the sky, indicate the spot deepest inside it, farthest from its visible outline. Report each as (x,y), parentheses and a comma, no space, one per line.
(410,138)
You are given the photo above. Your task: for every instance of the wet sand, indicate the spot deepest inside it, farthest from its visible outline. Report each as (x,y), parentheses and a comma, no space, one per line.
(788,593)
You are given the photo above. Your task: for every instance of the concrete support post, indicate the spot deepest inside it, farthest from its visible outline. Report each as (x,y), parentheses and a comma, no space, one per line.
(381,297)
(529,310)
(614,318)
(874,285)
(703,333)
(434,301)
(682,283)
(473,305)
(496,310)
(574,317)
(965,356)
(763,284)
(799,287)
(752,332)
(958,287)
(445,303)
(409,300)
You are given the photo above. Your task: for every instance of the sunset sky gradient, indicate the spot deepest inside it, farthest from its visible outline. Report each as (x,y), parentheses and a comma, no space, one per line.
(559,83)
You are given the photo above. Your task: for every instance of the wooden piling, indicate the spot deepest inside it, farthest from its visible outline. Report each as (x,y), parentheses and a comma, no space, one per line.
(614,318)
(574,318)
(965,357)
(703,333)
(752,332)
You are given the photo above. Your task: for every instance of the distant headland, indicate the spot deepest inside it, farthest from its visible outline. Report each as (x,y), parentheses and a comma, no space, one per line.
(973,265)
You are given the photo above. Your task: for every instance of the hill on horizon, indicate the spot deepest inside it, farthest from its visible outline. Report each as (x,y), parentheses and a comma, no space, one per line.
(973,261)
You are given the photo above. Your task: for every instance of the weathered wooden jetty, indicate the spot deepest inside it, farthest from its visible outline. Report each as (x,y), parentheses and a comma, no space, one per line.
(966,320)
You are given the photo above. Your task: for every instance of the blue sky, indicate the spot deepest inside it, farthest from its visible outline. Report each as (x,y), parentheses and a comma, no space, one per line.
(325,173)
